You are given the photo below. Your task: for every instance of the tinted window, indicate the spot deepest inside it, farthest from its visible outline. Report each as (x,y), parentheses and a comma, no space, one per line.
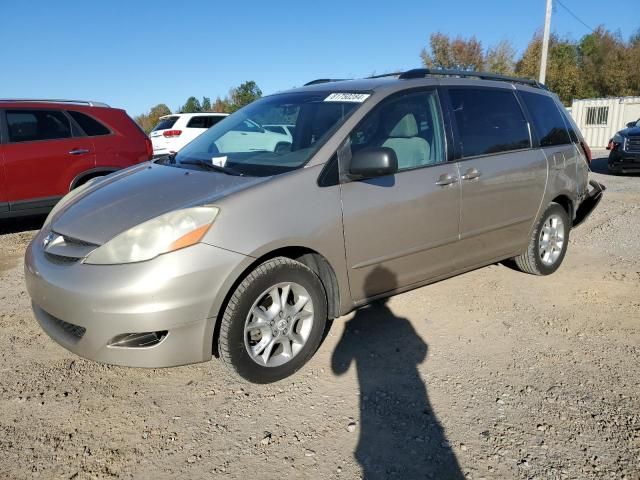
(165,123)
(275,129)
(409,124)
(91,127)
(32,125)
(489,121)
(204,121)
(547,120)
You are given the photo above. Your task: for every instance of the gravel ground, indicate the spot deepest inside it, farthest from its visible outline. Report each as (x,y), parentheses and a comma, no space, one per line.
(493,374)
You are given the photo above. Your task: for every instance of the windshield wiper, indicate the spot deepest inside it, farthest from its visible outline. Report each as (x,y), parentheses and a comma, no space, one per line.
(211,166)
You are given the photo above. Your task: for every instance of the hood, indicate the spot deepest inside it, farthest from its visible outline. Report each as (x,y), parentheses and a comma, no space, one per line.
(138,194)
(630,131)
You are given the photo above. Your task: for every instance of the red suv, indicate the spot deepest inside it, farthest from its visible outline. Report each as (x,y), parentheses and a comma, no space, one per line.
(49,147)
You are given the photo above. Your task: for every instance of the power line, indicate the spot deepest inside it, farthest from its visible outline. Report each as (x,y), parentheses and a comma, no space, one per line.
(574,15)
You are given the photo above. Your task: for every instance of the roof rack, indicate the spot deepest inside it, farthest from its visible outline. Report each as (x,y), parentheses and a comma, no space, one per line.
(424,72)
(89,103)
(324,80)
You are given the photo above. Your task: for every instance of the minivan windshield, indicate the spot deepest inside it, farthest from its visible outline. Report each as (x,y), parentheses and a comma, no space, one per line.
(242,145)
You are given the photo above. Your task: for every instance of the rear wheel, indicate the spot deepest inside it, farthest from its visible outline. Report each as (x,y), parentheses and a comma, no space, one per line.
(273,322)
(548,243)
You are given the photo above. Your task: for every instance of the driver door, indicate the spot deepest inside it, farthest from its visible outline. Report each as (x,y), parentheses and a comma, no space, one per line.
(401,230)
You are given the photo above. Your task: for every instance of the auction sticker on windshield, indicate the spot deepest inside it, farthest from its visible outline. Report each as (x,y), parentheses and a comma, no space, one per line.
(347,97)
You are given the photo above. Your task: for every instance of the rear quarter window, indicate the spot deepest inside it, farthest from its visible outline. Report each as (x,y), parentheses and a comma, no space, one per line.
(547,119)
(89,125)
(165,123)
(489,121)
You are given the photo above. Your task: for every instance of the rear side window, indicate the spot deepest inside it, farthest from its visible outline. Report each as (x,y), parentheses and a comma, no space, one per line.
(547,119)
(165,123)
(489,121)
(275,129)
(198,122)
(34,125)
(204,121)
(90,126)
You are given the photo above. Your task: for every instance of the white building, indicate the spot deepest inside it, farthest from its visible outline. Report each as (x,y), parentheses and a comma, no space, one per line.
(600,118)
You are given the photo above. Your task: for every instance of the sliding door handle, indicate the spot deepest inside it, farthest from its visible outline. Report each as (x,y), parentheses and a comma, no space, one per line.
(446,179)
(471,174)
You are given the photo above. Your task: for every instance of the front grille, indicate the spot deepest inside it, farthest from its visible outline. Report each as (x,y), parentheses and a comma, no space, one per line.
(70,329)
(61,260)
(65,250)
(633,144)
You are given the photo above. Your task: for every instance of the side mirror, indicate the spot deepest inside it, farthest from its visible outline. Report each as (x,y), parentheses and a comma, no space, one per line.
(373,162)
(631,124)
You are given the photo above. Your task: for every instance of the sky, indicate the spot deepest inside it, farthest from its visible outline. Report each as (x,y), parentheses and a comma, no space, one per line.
(137,53)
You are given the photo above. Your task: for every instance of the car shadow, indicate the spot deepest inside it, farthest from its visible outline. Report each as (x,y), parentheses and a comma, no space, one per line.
(400,436)
(22,224)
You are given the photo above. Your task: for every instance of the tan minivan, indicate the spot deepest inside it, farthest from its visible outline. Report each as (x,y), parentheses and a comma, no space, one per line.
(386,184)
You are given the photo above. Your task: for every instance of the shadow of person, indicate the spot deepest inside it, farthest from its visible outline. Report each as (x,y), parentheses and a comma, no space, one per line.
(399,434)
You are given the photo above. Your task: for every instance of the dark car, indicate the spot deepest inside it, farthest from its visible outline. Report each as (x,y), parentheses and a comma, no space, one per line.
(624,156)
(49,147)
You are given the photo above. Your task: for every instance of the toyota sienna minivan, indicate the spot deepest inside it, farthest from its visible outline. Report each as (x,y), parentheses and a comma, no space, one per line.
(386,184)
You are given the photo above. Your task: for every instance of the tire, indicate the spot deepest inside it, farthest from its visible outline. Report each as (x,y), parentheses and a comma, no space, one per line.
(242,330)
(538,261)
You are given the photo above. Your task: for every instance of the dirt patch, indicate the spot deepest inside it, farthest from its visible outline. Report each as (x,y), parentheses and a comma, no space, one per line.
(493,374)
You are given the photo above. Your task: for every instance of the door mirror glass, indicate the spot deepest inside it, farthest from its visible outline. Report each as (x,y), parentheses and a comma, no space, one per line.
(632,124)
(373,162)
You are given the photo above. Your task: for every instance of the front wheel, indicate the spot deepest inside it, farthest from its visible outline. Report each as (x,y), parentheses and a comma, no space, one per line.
(273,322)
(548,243)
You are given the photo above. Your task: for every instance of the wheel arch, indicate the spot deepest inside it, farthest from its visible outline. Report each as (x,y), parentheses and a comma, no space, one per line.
(307,256)
(89,174)
(565,202)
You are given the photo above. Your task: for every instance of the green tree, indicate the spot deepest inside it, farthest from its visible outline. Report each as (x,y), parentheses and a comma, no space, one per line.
(243,95)
(458,54)
(206,104)
(501,58)
(221,105)
(148,121)
(606,64)
(564,76)
(191,106)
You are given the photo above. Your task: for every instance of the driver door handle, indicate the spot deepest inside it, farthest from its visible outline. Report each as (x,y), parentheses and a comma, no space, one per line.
(471,174)
(446,179)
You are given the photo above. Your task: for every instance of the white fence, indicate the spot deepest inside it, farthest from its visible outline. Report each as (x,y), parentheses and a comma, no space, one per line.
(600,118)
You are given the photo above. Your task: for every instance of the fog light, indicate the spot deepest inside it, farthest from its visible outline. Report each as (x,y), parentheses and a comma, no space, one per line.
(138,340)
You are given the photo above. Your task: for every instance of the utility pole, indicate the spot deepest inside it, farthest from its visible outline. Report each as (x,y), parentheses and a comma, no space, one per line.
(545,43)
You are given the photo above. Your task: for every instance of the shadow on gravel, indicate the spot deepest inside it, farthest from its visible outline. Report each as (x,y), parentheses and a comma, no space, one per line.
(400,437)
(600,165)
(25,224)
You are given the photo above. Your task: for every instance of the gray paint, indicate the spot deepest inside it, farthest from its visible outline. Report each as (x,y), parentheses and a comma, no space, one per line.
(420,231)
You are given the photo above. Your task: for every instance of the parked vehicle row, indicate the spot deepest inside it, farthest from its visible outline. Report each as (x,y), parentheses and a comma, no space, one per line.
(230,248)
(48,148)
(624,155)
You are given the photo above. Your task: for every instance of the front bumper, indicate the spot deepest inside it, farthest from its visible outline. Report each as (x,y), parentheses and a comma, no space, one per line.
(84,307)
(624,162)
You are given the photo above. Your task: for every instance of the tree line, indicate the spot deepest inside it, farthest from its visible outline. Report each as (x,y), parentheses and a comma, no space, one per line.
(600,64)
(237,98)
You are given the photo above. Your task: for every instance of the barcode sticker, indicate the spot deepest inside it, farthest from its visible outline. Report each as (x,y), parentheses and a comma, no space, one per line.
(347,97)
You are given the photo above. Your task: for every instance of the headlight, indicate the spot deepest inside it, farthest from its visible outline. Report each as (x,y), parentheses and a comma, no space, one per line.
(617,138)
(163,234)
